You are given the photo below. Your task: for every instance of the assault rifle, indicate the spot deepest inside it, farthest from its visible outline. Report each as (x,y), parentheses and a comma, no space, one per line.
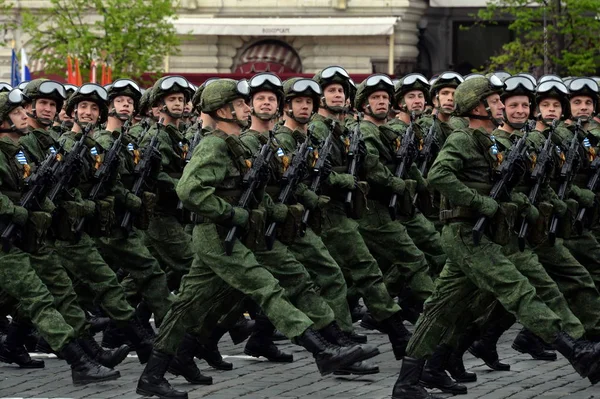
(252,179)
(353,162)
(506,172)
(39,183)
(592,185)
(538,176)
(106,171)
(150,157)
(405,156)
(567,172)
(291,177)
(318,171)
(430,145)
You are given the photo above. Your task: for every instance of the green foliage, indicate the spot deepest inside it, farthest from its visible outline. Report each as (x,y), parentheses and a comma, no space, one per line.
(134,36)
(572,35)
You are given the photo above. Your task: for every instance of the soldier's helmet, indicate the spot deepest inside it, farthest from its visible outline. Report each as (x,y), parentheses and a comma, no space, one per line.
(584,87)
(90,92)
(445,79)
(125,87)
(331,75)
(10,100)
(373,83)
(554,89)
(5,87)
(222,92)
(302,87)
(471,92)
(197,97)
(169,85)
(44,88)
(410,82)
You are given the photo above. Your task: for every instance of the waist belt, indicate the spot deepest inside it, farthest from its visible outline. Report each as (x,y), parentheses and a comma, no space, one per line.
(459,212)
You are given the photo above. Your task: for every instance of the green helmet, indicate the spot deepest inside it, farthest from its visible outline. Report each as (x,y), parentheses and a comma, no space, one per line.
(5,87)
(331,75)
(145,102)
(471,92)
(125,87)
(169,85)
(554,89)
(302,87)
(444,79)
(267,81)
(197,97)
(10,100)
(45,88)
(376,82)
(411,82)
(90,92)
(518,86)
(222,92)
(584,87)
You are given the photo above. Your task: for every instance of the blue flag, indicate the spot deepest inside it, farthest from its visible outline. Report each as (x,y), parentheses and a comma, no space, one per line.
(15,72)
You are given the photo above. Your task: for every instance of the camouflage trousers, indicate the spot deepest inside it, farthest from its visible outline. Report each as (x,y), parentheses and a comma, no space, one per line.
(131,255)
(20,281)
(425,235)
(171,246)
(85,263)
(325,273)
(403,264)
(209,282)
(470,269)
(346,245)
(586,249)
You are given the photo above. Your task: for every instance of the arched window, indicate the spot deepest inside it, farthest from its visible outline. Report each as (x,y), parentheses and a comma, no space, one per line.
(268,56)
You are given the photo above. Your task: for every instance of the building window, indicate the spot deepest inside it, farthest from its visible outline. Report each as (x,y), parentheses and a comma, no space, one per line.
(268,56)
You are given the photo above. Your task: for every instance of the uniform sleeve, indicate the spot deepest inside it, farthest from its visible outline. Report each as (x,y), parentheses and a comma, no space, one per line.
(450,161)
(374,169)
(207,168)
(167,153)
(288,143)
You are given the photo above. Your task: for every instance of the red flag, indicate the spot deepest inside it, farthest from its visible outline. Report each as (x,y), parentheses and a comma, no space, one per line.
(109,75)
(103,81)
(93,72)
(78,78)
(69,70)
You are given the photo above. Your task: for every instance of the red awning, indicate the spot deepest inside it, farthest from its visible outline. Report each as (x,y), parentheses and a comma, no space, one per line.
(269,57)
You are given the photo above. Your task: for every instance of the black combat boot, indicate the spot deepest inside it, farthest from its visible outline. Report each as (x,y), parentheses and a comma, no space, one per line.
(114,337)
(499,320)
(209,350)
(261,342)
(528,342)
(242,329)
(278,336)
(407,385)
(329,357)
(411,306)
(455,365)
(152,382)
(83,369)
(356,337)
(434,374)
(397,334)
(583,355)
(108,358)
(369,323)
(143,314)
(358,368)
(334,334)
(13,350)
(141,340)
(97,321)
(183,363)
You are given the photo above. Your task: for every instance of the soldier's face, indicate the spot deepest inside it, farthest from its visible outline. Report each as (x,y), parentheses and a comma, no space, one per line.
(334,95)
(188,107)
(379,103)
(156,112)
(264,103)
(175,102)
(44,108)
(550,109)
(301,107)
(517,109)
(415,101)
(123,105)
(445,99)
(242,110)
(63,116)
(496,106)
(88,112)
(18,118)
(582,106)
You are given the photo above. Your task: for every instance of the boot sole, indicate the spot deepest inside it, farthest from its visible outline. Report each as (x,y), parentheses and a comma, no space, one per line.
(96,380)
(365,372)
(519,349)
(23,366)
(274,360)
(369,326)
(222,368)
(353,357)
(443,389)
(143,392)
(469,379)
(490,365)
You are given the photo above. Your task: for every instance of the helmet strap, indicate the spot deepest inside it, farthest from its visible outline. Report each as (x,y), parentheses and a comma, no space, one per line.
(33,115)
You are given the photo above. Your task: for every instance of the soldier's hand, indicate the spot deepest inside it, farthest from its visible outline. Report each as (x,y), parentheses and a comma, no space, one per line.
(310,199)
(20,215)
(397,185)
(278,213)
(239,216)
(40,221)
(344,180)
(586,198)
(485,205)
(560,207)
(88,208)
(47,205)
(133,202)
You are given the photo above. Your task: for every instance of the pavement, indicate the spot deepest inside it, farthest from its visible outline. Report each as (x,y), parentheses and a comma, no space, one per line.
(258,378)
